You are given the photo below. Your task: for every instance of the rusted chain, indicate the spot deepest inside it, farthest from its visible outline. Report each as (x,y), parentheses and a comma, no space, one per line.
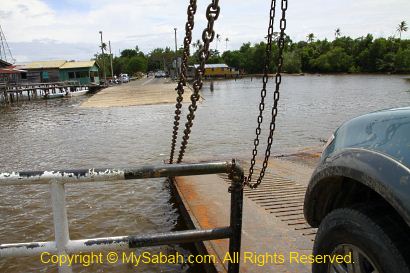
(189,26)
(278,80)
(208,35)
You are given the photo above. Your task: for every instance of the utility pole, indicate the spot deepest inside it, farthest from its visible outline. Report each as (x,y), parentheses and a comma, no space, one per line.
(176,54)
(102,58)
(112,69)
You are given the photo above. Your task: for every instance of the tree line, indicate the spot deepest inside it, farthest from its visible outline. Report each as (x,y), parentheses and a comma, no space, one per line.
(341,55)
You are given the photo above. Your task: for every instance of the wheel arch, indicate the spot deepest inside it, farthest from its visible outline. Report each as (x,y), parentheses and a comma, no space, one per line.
(354,176)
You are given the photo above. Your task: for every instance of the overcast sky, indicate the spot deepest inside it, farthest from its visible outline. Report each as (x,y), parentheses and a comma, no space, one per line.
(68,29)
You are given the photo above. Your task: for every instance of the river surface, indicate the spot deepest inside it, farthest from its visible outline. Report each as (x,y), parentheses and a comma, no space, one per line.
(59,134)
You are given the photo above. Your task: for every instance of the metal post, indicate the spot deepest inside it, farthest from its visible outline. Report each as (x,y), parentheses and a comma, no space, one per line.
(61,232)
(111,57)
(176,54)
(236,190)
(102,59)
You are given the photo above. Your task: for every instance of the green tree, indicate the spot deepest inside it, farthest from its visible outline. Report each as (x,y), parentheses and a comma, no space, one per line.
(292,62)
(234,59)
(214,57)
(136,64)
(103,61)
(343,54)
(402,61)
(336,60)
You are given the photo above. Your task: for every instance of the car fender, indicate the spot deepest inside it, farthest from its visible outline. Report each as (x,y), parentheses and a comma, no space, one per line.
(379,172)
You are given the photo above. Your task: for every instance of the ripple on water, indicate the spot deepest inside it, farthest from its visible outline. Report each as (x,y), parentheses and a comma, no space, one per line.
(57,134)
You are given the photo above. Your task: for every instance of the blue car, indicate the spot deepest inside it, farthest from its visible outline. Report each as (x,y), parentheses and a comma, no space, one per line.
(359,196)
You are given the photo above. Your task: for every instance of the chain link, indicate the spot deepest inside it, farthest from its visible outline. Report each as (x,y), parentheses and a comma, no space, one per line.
(278,80)
(208,35)
(189,26)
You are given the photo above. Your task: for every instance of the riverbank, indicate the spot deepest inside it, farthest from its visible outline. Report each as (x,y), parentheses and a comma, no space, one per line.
(146,91)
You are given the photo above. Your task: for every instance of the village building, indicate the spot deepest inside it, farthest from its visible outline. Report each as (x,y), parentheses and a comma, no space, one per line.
(11,74)
(84,72)
(44,71)
(215,70)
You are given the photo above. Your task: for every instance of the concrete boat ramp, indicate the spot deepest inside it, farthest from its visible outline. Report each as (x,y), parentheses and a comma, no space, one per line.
(145,91)
(273,221)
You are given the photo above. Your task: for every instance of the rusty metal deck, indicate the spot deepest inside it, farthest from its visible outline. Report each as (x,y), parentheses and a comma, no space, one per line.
(273,220)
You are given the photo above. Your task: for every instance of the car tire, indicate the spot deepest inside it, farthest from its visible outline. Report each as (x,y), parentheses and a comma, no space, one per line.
(375,238)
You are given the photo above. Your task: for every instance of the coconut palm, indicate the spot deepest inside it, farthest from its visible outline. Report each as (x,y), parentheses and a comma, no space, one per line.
(218,39)
(198,44)
(337,33)
(103,46)
(275,36)
(310,37)
(402,27)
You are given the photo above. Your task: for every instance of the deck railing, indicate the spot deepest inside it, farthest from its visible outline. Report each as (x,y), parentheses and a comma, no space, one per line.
(63,245)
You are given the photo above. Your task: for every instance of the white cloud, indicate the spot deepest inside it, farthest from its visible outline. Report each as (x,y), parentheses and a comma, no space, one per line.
(150,23)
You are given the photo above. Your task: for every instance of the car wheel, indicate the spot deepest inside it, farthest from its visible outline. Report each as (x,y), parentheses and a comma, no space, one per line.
(376,242)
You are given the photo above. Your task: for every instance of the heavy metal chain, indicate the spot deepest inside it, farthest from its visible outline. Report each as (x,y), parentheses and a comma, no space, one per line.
(208,35)
(278,79)
(189,26)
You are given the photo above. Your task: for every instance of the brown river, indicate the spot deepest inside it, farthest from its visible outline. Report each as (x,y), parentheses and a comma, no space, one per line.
(58,134)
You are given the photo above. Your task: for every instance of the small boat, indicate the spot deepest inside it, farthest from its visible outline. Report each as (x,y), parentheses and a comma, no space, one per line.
(77,93)
(54,96)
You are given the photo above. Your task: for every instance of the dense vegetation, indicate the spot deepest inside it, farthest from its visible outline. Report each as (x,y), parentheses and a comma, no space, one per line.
(342,55)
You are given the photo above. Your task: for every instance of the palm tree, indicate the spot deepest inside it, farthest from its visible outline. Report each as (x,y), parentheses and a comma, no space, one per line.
(226,41)
(275,36)
(310,37)
(103,46)
(197,45)
(402,27)
(218,39)
(337,33)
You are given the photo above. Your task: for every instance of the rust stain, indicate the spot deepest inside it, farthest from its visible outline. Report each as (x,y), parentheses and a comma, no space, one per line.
(202,212)
(187,190)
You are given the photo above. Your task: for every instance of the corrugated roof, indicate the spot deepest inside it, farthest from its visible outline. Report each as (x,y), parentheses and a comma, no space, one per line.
(4,63)
(43,64)
(81,64)
(213,66)
(11,70)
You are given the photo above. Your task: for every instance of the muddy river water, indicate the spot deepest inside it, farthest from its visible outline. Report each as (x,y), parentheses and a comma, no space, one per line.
(58,134)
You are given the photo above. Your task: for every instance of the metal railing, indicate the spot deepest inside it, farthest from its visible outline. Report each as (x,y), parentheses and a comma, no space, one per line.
(63,245)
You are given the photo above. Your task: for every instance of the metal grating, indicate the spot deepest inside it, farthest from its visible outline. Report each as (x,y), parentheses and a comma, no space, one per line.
(283,198)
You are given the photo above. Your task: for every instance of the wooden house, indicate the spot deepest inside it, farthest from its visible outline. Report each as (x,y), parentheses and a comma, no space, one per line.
(44,71)
(84,72)
(215,70)
(11,74)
